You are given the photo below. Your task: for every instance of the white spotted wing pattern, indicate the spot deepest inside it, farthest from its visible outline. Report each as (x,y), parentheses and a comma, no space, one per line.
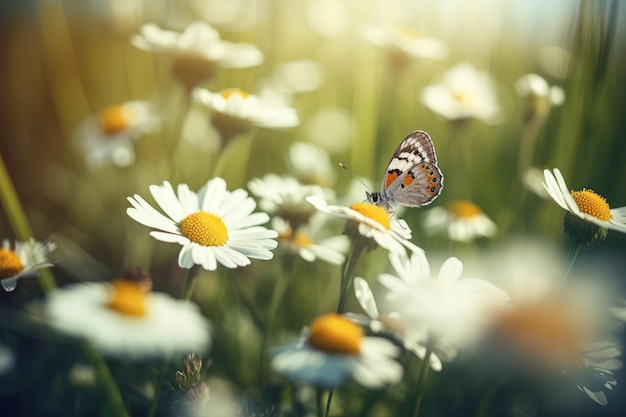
(412,178)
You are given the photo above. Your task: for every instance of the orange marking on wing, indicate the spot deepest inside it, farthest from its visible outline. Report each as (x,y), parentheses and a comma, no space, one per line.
(391,176)
(407,180)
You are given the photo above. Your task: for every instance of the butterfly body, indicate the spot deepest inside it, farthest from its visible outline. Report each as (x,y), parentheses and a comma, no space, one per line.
(412,177)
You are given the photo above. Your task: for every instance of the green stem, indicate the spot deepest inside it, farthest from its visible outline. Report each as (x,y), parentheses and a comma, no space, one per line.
(19,221)
(190,283)
(110,388)
(279,291)
(487,398)
(571,258)
(349,266)
(419,393)
(330,398)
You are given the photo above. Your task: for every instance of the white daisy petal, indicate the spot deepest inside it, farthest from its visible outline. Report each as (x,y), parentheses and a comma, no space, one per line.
(241,237)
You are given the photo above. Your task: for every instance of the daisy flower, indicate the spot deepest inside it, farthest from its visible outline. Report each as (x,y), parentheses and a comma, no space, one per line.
(311,164)
(285,196)
(588,215)
(23,261)
(120,319)
(235,111)
(371,222)
(439,307)
(405,42)
(213,226)
(463,93)
(107,137)
(197,51)
(332,350)
(390,324)
(540,95)
(309,242)
(461,220)
(545,330)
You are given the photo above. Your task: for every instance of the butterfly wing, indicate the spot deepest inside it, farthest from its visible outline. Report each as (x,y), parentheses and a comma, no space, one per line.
(413,178)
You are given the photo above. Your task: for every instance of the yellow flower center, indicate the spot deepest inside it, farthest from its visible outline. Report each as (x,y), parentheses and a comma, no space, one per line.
(128,298)
(463,208)
(373,212)
(463,97)
(302,240)
(228,94)
(332,333)
(204,228)
(547,331)
(593,204)
(114,119)
(10,264)
(409,33)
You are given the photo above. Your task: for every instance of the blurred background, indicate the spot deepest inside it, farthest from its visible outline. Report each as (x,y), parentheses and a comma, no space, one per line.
(62,62)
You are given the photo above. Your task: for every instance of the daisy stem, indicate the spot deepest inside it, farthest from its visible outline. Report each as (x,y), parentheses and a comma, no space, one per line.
(419,393)
(19,221)
(277,295)
(190,283)
(110,387)
(347,272)
(330,398)
(571,258)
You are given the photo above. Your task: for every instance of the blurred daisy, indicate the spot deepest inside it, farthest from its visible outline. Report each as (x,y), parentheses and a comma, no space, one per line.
(371,222)
(121,319)
(235,111)
(332,350)
(546,330)
(309,241)
(589,216)
(285,196)
(390,324)
(405,43)
(197,52)
(532,179)
(439,307)
(540,95)
(463,93)
(107,138)
(311,164)
(23,261)
(461,220)
(213,226)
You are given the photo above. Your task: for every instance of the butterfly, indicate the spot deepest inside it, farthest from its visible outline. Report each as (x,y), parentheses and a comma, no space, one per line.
(412,177)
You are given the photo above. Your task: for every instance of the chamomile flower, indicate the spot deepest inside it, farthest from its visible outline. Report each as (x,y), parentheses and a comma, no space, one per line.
(439,307)
(23,260)
(120,319)
(371,222)
(108,137)
(309,242)
(546,329)
(285,196)
(213,226)
(540,96)
(235,111)
(461,220)
(311,164)
(589,216)
(405,42)
(332,350)
(463,93)
(390,323)
(197,52)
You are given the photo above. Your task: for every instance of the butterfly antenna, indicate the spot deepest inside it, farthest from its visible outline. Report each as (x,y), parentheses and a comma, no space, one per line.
(354,176)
